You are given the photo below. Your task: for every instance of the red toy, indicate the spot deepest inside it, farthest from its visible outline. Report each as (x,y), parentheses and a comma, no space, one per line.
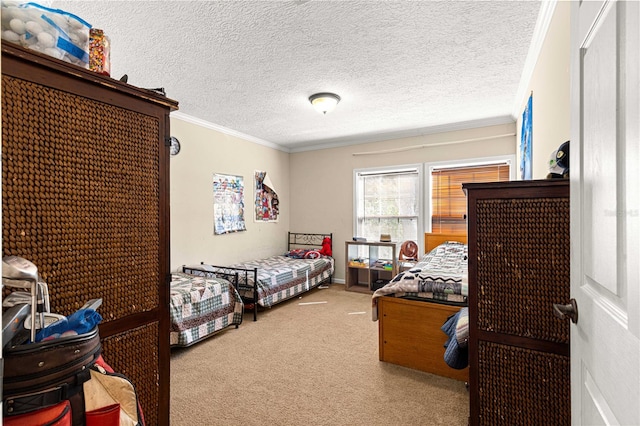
(326,246)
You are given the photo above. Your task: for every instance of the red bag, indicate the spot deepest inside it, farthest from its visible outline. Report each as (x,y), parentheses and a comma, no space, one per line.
(109,395)
(65,382)
(44,374)
(56,415)
(105,416)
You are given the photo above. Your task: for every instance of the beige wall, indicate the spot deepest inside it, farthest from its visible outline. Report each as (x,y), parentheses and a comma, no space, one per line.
(322,180)
(316,187)
(205,152)
(550,85)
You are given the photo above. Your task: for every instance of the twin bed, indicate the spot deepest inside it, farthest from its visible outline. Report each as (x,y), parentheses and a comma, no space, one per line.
(257,283)
(413,308)
(200,307)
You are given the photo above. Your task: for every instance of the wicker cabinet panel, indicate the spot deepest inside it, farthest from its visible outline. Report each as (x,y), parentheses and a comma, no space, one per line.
(141,344)
(519,251)
(85,197)
(523,270)
(81,206)
(511,377)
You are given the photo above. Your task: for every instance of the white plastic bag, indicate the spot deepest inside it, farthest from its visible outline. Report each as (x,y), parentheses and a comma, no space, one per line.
(54,32)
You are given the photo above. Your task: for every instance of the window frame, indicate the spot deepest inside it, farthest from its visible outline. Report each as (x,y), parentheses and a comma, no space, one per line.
(419,167)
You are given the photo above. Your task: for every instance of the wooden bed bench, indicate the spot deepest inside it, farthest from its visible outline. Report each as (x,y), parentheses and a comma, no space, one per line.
(409,331)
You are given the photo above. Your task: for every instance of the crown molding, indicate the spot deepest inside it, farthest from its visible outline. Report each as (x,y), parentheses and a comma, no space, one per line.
(350,140)
(539,34)
(225,130)
(409,133)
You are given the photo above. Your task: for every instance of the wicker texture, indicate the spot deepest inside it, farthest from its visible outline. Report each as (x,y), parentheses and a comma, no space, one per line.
(523,266)
(518,386)
(141,346)
(80,197)
(80,200)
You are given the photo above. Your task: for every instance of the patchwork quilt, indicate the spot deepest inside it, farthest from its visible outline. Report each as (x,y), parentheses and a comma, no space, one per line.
(200,307)
(440,275)
(282,277)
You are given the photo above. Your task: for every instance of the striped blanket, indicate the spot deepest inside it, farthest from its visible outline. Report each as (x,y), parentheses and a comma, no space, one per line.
(438,276)
(282,277)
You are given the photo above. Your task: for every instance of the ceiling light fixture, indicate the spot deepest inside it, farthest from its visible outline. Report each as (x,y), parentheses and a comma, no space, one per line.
(324,102)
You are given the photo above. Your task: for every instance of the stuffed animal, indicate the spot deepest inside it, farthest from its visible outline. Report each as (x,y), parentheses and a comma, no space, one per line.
(326,246)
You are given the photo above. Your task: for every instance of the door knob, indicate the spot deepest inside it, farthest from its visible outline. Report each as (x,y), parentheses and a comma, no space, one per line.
(567,311)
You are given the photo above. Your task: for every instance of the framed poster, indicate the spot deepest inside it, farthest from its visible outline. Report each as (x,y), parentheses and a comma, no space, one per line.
(526,138)
(228,204)
(266,199)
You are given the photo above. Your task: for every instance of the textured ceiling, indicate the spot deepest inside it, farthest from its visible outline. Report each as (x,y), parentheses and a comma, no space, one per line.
(400,67)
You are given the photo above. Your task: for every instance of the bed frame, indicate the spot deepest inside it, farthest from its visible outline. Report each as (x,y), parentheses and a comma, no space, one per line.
(294,240)
(243,275)
(432,241)
(409,330)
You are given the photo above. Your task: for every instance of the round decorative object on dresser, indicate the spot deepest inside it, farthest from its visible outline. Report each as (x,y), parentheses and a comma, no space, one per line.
(175,146)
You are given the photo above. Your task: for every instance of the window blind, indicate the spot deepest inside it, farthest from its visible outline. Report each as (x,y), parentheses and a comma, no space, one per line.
(448,201)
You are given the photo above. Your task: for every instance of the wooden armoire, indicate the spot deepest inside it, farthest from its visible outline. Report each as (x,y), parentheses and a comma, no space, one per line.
(519,250)
(85,197)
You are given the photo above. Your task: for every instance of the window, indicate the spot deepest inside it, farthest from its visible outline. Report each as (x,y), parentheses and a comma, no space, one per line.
(448,200)
(405,201)
(388,201)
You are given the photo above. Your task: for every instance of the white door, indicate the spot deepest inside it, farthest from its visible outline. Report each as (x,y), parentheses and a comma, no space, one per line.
(605,212)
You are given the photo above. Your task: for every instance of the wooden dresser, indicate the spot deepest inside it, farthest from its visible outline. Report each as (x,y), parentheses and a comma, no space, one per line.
(519,247)
(85,197)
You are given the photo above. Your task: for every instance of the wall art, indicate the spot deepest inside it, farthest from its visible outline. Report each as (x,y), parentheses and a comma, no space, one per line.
(228,204)
(525,141)
(266,199)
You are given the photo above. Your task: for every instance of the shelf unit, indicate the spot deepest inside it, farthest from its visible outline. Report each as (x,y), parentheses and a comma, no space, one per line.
(369,265)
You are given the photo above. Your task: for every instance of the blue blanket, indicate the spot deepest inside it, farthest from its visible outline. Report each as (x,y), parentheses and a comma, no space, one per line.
(456,354)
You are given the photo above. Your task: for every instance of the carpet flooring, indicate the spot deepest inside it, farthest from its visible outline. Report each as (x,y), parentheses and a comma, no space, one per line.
(312,360)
